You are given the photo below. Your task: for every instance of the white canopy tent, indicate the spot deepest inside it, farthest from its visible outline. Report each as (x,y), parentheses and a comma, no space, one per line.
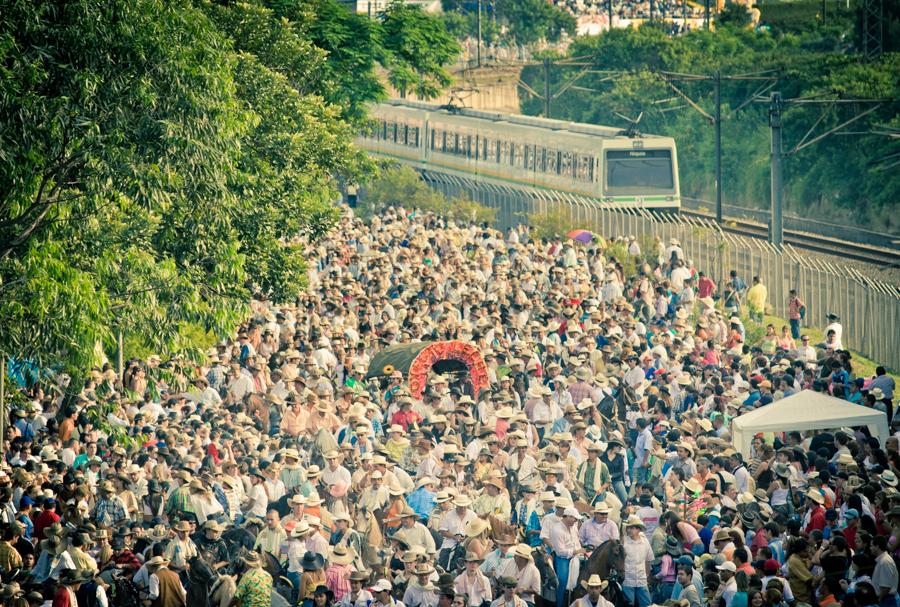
(806,410)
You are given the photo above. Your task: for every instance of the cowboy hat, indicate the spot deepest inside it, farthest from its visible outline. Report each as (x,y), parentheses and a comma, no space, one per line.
(889,478)
(634,521)
(602,508)
(476,527)
(300,529)
(157,561)
(340,555)
(158,533)
(182,525)
(693,485)
(472,557)
(721,535)
(594,582)
(523,551)
(815,496)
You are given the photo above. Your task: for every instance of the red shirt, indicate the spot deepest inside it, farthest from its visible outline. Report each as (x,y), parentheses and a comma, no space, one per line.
(405,418)
(759,541)
(62,598)
(44,520)
(816,519)
(705,287)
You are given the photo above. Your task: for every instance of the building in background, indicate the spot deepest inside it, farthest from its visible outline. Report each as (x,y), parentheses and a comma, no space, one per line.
(373,7)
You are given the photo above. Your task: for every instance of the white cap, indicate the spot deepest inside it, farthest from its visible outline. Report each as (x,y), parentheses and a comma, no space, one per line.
(727,566)
(571,512)
(382,585)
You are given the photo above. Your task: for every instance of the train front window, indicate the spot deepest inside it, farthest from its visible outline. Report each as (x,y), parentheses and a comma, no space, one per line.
(643,169)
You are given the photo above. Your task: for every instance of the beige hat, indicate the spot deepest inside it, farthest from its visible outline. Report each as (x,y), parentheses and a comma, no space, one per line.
(523,551)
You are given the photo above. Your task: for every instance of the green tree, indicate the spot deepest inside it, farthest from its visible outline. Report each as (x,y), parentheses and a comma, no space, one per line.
(153,177)
(416,48)
(532,20)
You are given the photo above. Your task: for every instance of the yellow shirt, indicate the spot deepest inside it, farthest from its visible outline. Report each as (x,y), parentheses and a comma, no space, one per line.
(757,296)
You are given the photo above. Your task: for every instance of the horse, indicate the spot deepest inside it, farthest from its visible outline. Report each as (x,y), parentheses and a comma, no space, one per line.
(608,561)
(122,591)
(500,529)
(366,525)
(239,539)
(280,582)
(549,582)
(206,587)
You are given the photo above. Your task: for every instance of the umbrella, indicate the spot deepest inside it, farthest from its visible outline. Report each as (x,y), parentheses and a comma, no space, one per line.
(584,236)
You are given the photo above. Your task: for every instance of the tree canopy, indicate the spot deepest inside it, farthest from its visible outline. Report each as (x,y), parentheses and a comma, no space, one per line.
(163,161)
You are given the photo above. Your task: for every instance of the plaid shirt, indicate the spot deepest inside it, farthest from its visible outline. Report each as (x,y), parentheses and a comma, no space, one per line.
(111,511)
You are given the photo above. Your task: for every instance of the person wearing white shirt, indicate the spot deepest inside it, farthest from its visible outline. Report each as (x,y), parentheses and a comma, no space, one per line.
(454,522)
(835,325)
(522,568)
(473,583)
(566,549)
(638,556)
(335,473)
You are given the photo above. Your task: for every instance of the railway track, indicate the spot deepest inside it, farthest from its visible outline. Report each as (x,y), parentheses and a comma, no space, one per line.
(878,256)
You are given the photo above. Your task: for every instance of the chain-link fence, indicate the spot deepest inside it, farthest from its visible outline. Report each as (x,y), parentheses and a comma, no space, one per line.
(869,309)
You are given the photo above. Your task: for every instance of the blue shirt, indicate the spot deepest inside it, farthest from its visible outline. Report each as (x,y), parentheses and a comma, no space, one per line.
(422,502)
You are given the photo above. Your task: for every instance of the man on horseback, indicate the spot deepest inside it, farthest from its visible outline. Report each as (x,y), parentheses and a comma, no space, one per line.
(592,477)
(594,597)
(598,529)
(210,545)
(521,568)
(452,527)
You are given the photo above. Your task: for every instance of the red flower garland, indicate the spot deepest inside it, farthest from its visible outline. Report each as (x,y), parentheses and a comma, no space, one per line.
(447,350)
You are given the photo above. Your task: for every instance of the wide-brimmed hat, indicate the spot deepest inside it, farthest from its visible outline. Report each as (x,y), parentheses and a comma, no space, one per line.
(476,527)
(523,551)
(602,508)
(158,533)
(693,485)
(252,559)
(312,561)
(722,535)
(815,496)
(634,521)
(594,582)
(472,557)
(423,569)
(889,478)
(182,526)
(340,555)
(301,528)
(157,561)
(213,525)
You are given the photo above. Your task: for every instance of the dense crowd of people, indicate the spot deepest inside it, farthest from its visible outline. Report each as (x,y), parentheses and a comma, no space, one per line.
(595,468)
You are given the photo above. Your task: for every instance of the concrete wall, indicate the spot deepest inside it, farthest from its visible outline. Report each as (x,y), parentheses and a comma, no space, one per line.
(491,88)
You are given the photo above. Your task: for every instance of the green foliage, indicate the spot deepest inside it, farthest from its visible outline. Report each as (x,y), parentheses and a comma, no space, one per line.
(834,179)
(734,15)
(156,171)
(516,21)
(553,223)
(416,50)
(399,185)
(532,20)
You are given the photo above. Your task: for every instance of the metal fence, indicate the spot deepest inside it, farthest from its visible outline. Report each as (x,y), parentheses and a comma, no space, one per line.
(869,309)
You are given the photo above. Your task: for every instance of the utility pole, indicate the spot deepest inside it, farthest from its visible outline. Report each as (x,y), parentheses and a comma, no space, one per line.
(651,11)
(706,18)
(609,13)
(717,121)
(715,118)
(478,53)
(776,227)
(547,87)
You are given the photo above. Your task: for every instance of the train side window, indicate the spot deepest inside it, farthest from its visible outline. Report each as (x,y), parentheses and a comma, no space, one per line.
(431,144)
(443,141)
(415,137)
(542,162)
(469,146)
(565,165)
(527,157)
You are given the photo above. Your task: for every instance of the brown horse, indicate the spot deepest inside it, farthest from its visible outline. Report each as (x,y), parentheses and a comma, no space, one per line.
(607,561)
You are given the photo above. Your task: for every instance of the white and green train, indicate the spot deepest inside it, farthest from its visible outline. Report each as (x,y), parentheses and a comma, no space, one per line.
(525,151)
